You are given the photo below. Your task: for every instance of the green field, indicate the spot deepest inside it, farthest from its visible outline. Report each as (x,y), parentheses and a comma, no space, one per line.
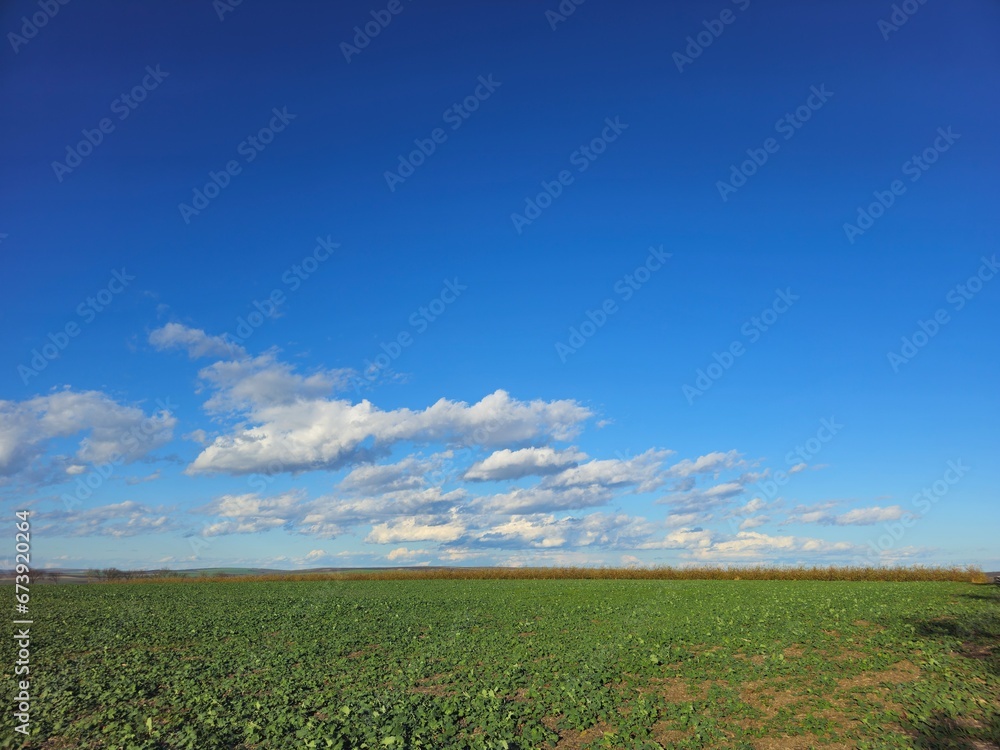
(513,664)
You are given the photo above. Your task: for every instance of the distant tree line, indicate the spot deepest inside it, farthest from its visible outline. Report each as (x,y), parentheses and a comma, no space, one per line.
(113,575)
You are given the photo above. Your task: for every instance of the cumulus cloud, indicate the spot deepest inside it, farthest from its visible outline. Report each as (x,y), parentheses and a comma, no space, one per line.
(584,485)
(118,520)
(325,517)
(755,546)
(544,499)
(642,473)
(195,342)
(752,506)
(753,522)
(416,529)
(869,516)
(696,538)
(543,531)
(709,463)
(243,526)
(404,554)
(251,514)
(287,422)
(701,499)
(508,464)
(408,474)
(820,514)
(677,520)
(264,382)
(110,431)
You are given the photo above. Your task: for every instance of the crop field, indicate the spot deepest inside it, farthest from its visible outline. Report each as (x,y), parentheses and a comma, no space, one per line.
(513,664)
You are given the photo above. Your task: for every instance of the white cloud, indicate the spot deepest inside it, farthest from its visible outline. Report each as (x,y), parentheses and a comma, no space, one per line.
(253,525)
(118,520)
(197,436)
(283,506)
(544,499)
(508,464)
(641,472)
(195,341)
(753,522)
(415,529)
(869,516)
(407,474)
(403,553)
(537,531)
(709,463)
(264,382)
(821,514)
(677,520)
(324,517)
(296,428)
(699,500)
(758,547)
(688,539)
(111,431)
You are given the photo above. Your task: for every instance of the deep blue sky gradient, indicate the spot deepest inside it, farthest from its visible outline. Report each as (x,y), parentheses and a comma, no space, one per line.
(655,185)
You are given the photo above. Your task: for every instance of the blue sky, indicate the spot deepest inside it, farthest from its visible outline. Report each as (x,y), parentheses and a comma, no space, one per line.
(500,284)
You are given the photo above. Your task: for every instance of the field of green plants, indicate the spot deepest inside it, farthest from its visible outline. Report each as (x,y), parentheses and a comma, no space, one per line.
(512,664)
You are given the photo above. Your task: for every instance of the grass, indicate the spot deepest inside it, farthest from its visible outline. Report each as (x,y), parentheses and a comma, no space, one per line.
(516,664)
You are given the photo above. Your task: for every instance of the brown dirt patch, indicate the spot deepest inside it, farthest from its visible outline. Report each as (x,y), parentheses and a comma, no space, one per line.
(798,742)
(976,650)
(903,671)
(767,697)
(794,651)
(572,739)
(667,737)
(676,689)
(434,685)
